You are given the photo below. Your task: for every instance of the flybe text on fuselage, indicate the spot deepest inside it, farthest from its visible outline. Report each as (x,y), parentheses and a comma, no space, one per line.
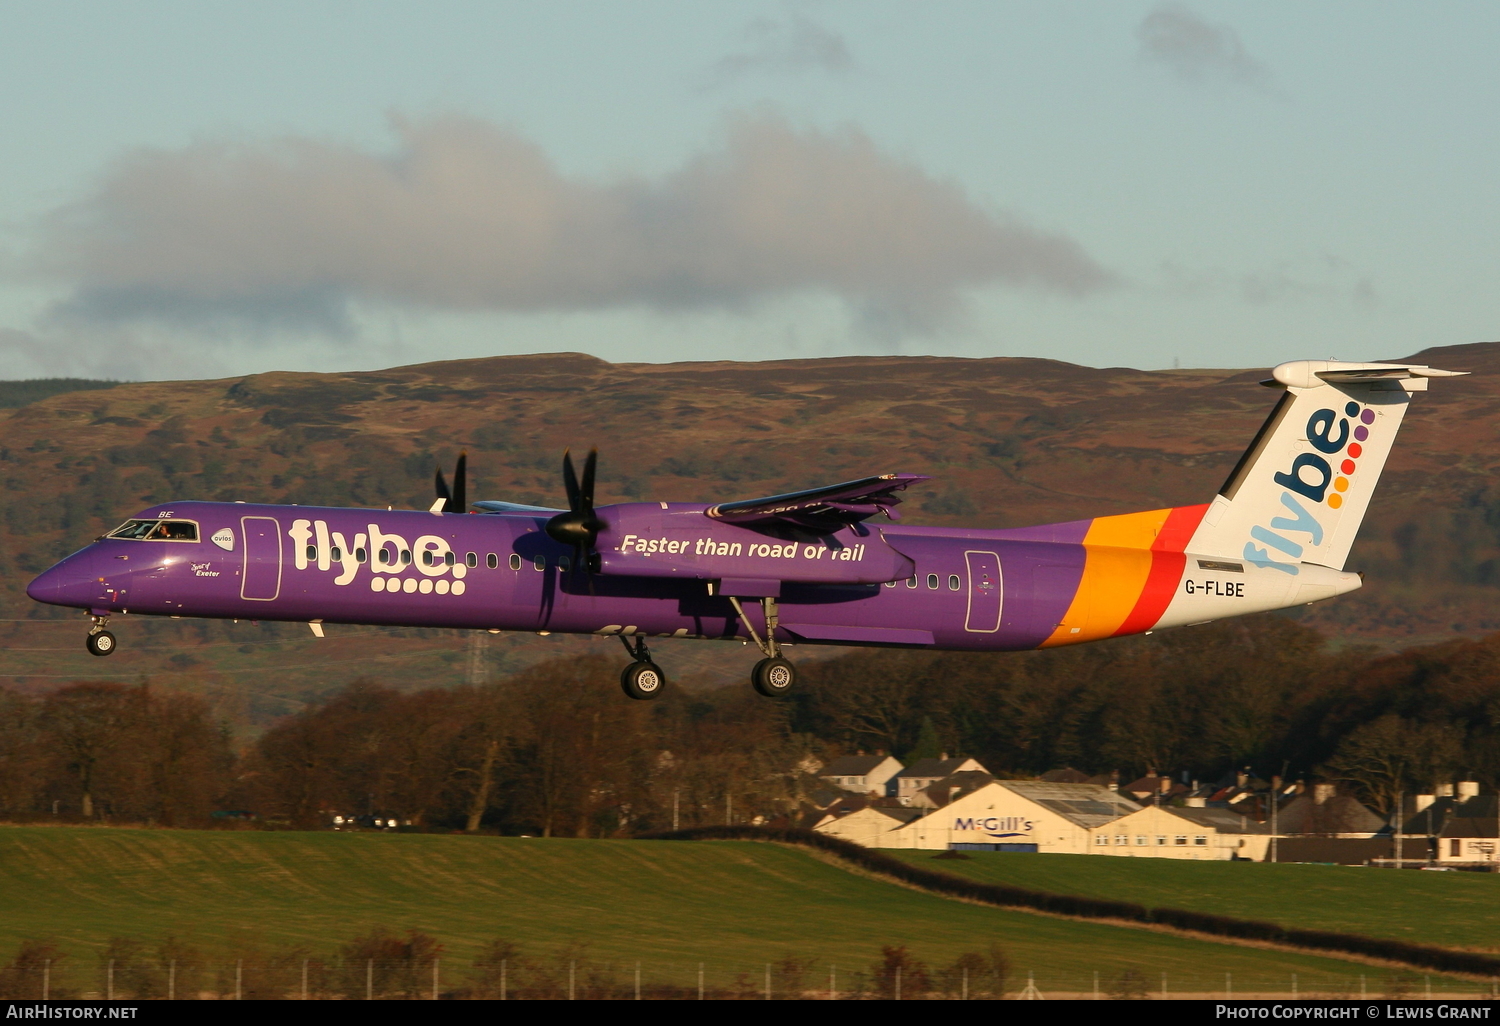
(385,552)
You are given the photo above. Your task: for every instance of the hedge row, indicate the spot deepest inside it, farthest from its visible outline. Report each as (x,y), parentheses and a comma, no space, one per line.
(1417,955)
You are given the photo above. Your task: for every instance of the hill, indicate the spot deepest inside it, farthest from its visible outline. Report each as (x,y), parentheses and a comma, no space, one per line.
(1009,441)
(1451,910)
(734,906)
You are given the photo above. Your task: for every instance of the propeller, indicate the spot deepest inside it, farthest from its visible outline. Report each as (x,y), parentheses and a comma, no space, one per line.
(455,501)
(579,527)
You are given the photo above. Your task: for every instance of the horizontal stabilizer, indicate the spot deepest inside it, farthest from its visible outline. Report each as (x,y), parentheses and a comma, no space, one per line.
(1312,373)
(828,508)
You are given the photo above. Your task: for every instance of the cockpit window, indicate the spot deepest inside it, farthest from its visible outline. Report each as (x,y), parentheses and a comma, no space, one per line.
(157,530)
(133,529)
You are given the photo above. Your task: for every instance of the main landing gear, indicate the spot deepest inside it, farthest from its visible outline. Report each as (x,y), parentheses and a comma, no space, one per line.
(642,679)
(100,642)
(773,676)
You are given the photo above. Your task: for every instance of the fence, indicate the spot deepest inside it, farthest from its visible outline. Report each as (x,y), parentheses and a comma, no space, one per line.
(592,979)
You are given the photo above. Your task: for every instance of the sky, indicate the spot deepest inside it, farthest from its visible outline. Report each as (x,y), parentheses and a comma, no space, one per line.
(212,189)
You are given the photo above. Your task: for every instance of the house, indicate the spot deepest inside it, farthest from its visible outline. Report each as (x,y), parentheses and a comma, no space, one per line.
(935,796)
(1324,812)
(1424,824)
(1165,831)
(1471,833)
(862,774)
(924,773)
(1003,815)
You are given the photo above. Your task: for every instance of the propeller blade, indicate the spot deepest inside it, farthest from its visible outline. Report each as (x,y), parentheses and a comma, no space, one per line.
(460,501)
(587,487)
(441,487)
(570,481)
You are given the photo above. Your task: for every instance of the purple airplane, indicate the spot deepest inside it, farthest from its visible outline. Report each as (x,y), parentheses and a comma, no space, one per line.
(808,568)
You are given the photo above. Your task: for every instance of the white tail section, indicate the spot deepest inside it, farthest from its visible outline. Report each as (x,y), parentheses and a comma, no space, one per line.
(1301,489)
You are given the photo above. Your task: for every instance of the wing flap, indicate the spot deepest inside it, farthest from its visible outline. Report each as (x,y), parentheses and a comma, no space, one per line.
(492,506)
(828,508)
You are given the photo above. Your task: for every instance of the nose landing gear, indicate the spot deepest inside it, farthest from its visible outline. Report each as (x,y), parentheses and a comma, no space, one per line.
(642,680)
(100,642)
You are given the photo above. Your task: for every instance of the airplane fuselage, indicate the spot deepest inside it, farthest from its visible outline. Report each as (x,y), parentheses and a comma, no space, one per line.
(959,588)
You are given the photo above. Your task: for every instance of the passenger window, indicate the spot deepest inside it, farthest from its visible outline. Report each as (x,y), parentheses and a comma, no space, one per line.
(890,584)
(359,555)
(133,529)
(515,561)
(932,581)
(406,557)
(388,557)
(953,582)
(448,558)
(336,555)
(564,563)
(492,561)
(312,552)
(540,562)
(911,582)
(426,557)
(472,559)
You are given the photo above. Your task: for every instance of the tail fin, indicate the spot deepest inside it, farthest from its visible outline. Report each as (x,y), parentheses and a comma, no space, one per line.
(1301,489)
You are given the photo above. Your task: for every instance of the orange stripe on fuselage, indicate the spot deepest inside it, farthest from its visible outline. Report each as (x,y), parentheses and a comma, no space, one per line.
(1167,560)
(1127,559)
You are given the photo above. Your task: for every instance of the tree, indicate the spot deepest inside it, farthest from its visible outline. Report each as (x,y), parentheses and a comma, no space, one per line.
(1389,755)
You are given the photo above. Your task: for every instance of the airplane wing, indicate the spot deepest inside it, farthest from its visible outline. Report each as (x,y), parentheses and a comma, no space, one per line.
(822,509)
(491,506)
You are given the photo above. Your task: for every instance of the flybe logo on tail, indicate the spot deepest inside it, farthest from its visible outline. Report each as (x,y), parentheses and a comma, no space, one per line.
(1314,479)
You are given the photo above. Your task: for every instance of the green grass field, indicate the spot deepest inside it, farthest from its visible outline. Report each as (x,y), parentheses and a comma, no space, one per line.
(1457,910)
(668,904)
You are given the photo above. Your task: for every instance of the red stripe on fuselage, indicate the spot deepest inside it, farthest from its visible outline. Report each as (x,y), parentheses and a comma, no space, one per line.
(1167,560)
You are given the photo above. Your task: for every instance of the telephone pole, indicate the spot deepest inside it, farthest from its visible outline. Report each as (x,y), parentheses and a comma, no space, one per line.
(1399,797)
(1275,802)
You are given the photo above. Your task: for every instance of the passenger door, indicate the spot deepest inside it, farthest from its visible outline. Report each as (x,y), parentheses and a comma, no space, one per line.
(261,581)
(986,592)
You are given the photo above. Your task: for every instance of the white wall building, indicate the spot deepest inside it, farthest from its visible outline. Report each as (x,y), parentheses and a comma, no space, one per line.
(1161,831)
(867,826)
(1007,815)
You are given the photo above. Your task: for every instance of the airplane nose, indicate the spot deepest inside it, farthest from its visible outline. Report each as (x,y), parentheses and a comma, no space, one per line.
(69,583)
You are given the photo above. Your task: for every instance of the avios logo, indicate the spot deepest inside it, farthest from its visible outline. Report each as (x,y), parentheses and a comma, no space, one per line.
(1313,476)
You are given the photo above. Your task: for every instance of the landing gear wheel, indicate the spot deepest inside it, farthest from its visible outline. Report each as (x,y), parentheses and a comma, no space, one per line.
(773,677)
(642,681)
(101,643)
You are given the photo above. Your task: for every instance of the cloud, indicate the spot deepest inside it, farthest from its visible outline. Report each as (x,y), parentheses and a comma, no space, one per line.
(1330,279)
(465,216)
(109,352)
(793,46)
(1196,50)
